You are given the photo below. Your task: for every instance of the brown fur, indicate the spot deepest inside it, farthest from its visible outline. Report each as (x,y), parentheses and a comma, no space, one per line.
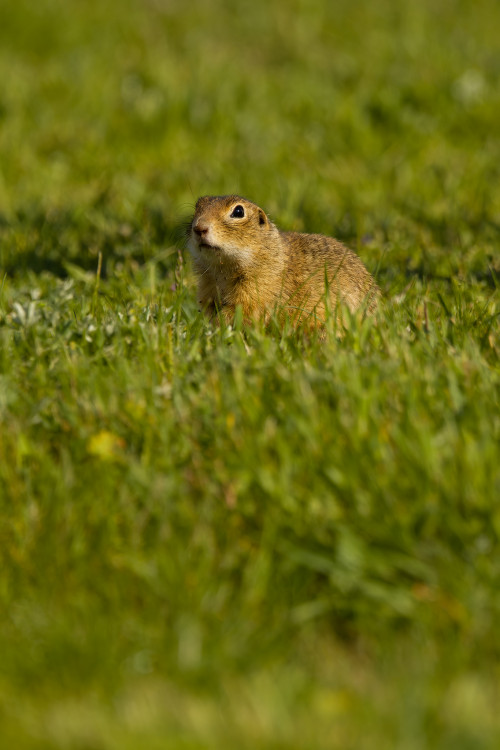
(249,262)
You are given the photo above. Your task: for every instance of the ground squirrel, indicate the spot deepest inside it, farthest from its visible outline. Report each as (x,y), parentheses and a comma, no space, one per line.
(242,258)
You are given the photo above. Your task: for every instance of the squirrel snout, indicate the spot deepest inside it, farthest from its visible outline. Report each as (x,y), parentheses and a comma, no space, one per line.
(200,229)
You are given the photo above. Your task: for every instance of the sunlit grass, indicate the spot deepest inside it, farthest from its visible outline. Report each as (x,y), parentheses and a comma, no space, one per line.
(248,537)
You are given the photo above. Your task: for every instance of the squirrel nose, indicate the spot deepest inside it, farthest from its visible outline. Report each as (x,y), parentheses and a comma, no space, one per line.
(200,229)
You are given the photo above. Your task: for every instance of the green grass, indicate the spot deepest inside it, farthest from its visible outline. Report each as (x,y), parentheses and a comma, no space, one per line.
(226,538)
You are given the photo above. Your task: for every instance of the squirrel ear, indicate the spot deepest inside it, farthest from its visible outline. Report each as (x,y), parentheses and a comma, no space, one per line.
(262,217)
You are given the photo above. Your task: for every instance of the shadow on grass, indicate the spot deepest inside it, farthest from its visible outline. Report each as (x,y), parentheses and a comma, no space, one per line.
(490,276)
(38,241)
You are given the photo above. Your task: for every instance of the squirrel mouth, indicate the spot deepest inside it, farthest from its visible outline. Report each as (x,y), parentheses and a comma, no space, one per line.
(206,246)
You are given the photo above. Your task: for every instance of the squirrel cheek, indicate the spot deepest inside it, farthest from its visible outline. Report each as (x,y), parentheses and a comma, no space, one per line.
(242,254)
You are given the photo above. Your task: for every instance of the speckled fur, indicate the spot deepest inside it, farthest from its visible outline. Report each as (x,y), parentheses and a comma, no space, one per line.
(249,262)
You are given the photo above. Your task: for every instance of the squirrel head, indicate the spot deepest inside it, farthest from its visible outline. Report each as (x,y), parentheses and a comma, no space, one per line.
(229,229)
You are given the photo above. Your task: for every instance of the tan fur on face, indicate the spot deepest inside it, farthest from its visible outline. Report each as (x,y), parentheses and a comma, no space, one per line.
(248,262)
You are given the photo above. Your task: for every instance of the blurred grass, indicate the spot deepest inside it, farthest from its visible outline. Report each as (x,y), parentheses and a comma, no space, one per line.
(248,538)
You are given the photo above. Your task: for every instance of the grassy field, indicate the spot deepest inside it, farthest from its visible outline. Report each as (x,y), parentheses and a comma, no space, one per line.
(247,538)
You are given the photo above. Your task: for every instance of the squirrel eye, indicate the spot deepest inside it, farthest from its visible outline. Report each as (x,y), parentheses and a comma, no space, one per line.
(238,212)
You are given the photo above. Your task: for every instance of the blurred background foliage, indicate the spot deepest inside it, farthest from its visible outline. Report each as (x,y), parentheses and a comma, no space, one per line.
(375,121)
